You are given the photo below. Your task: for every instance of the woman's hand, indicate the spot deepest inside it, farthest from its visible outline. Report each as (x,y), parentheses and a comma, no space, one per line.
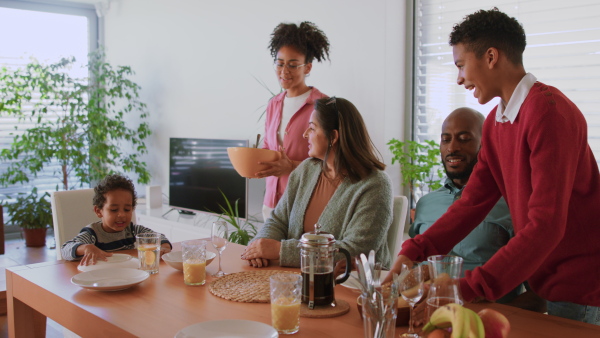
(340,266)
(262,248)
(258,262)
(281,167)
(92,254)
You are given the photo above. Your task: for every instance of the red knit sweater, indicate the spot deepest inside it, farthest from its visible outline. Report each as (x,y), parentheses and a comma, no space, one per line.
(543,166)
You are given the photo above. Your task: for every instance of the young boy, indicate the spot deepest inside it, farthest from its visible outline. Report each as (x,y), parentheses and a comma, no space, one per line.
(114,202)
(535,154)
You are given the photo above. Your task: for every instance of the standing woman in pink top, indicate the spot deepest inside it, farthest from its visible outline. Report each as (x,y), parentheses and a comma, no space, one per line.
(293,48)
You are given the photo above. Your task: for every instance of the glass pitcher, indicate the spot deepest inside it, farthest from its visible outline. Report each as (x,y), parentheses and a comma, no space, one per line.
(316,264)
(444,272)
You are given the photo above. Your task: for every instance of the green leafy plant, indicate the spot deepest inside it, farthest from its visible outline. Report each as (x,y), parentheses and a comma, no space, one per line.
(272,93)
(32,211)
(244,230)
(420,165)
(80,124)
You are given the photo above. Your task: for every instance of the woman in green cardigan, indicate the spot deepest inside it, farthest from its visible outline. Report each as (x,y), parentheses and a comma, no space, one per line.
(341,186)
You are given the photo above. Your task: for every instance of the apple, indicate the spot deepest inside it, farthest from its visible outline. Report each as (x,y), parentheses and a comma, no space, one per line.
(496,325)
(439,333)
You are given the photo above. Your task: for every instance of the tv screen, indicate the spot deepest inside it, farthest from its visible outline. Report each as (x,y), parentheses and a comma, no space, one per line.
(199,169)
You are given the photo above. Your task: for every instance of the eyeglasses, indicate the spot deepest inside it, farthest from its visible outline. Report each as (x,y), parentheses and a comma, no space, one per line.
(278,66)
(332,100)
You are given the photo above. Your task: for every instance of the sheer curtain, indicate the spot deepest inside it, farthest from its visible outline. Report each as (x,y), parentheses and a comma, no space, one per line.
(563,50)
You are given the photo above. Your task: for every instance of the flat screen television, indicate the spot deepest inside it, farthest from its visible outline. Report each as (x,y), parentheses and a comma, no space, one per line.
(199,169)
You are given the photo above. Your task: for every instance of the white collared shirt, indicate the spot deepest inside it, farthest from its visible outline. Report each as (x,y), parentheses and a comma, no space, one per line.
(509,112)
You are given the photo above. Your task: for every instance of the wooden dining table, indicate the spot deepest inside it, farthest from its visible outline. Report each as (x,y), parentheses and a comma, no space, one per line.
(162,305)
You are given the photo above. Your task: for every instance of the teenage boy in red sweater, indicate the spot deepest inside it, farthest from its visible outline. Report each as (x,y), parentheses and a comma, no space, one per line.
(536,155)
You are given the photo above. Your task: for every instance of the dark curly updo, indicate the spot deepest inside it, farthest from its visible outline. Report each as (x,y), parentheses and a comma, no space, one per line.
(110,183)
(307,38)
(484,29)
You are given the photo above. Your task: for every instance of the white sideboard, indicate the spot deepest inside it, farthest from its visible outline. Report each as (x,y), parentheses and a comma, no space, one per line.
(177,227)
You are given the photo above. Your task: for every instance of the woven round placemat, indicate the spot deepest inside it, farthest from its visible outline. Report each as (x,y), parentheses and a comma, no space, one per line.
(245,286)
(325,311)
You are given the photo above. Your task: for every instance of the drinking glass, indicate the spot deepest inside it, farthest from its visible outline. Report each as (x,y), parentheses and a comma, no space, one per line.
(286,291)
(445,271)
(148,246)
(219,238)
(194,262)
(411,289)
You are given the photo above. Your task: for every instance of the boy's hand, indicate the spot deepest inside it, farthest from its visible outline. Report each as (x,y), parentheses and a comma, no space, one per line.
(164,248)
(92,254)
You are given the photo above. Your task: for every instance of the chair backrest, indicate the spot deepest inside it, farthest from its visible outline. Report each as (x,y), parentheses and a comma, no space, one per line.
(396,231)
(71,211)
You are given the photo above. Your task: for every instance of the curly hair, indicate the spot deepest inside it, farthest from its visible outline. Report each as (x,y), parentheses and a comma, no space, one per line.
(356,155)
(484,29)
(110,183)
(307,38)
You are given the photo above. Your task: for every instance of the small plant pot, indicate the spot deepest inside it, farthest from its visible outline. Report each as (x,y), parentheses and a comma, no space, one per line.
(35,237)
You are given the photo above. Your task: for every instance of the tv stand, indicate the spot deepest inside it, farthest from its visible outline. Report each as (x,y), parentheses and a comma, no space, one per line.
(185,212)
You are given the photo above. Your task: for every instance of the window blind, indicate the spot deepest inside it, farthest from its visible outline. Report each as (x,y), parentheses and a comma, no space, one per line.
(563,50)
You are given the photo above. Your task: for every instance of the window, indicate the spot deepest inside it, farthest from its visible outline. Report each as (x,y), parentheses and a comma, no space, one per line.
(47,33)
(563,50)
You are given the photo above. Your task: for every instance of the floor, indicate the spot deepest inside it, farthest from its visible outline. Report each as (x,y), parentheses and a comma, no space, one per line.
(16,253)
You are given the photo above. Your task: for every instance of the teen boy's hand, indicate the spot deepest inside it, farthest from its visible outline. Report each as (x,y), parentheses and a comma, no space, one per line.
(91,254)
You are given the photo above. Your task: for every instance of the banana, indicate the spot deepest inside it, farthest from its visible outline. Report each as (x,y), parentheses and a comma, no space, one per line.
(449,315)
(465,322)
(476,329)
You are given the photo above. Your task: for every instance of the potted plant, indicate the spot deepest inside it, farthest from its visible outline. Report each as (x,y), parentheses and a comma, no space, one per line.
(87,131)
(244,230)
(420,166)
(34,215)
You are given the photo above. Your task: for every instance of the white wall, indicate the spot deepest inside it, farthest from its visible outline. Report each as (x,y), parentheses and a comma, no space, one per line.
(195,61)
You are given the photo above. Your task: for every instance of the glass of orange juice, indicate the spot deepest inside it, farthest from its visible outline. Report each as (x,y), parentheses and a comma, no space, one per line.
(286,295)
(148,246)
(194,262)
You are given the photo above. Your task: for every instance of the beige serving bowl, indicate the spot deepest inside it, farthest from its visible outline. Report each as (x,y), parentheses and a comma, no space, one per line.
(245,160)
(175,259)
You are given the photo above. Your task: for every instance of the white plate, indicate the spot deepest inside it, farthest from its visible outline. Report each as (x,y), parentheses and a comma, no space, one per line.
(114,261)
(353,283)
(231,328)
(110,279)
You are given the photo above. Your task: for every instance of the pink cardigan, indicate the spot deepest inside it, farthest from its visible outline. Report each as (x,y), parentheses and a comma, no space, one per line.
(296,147)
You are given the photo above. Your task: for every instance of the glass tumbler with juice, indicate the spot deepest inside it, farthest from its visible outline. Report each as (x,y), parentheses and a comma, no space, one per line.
(286,291)
(194,262)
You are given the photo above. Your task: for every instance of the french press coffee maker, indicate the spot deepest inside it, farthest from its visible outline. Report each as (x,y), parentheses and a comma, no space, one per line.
(316,264)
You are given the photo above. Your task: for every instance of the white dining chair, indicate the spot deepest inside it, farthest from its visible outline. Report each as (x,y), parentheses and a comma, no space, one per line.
(71,211)
(396,231)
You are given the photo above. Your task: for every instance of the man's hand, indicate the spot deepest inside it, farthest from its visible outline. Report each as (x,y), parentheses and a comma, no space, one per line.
(397,267)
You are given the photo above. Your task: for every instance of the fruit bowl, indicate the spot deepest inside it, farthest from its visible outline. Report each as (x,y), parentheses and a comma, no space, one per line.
(402,315)
(175,259)
(245,160)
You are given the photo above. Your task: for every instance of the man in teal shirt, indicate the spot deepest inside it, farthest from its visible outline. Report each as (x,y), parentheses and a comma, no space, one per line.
(459,146)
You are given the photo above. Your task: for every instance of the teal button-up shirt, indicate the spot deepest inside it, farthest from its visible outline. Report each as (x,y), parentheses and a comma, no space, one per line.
(482,243)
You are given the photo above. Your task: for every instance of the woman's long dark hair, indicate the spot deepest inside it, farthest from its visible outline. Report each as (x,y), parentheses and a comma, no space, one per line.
(356,156)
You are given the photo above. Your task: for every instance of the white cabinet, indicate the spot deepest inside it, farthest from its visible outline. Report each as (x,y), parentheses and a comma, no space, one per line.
(176,227)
